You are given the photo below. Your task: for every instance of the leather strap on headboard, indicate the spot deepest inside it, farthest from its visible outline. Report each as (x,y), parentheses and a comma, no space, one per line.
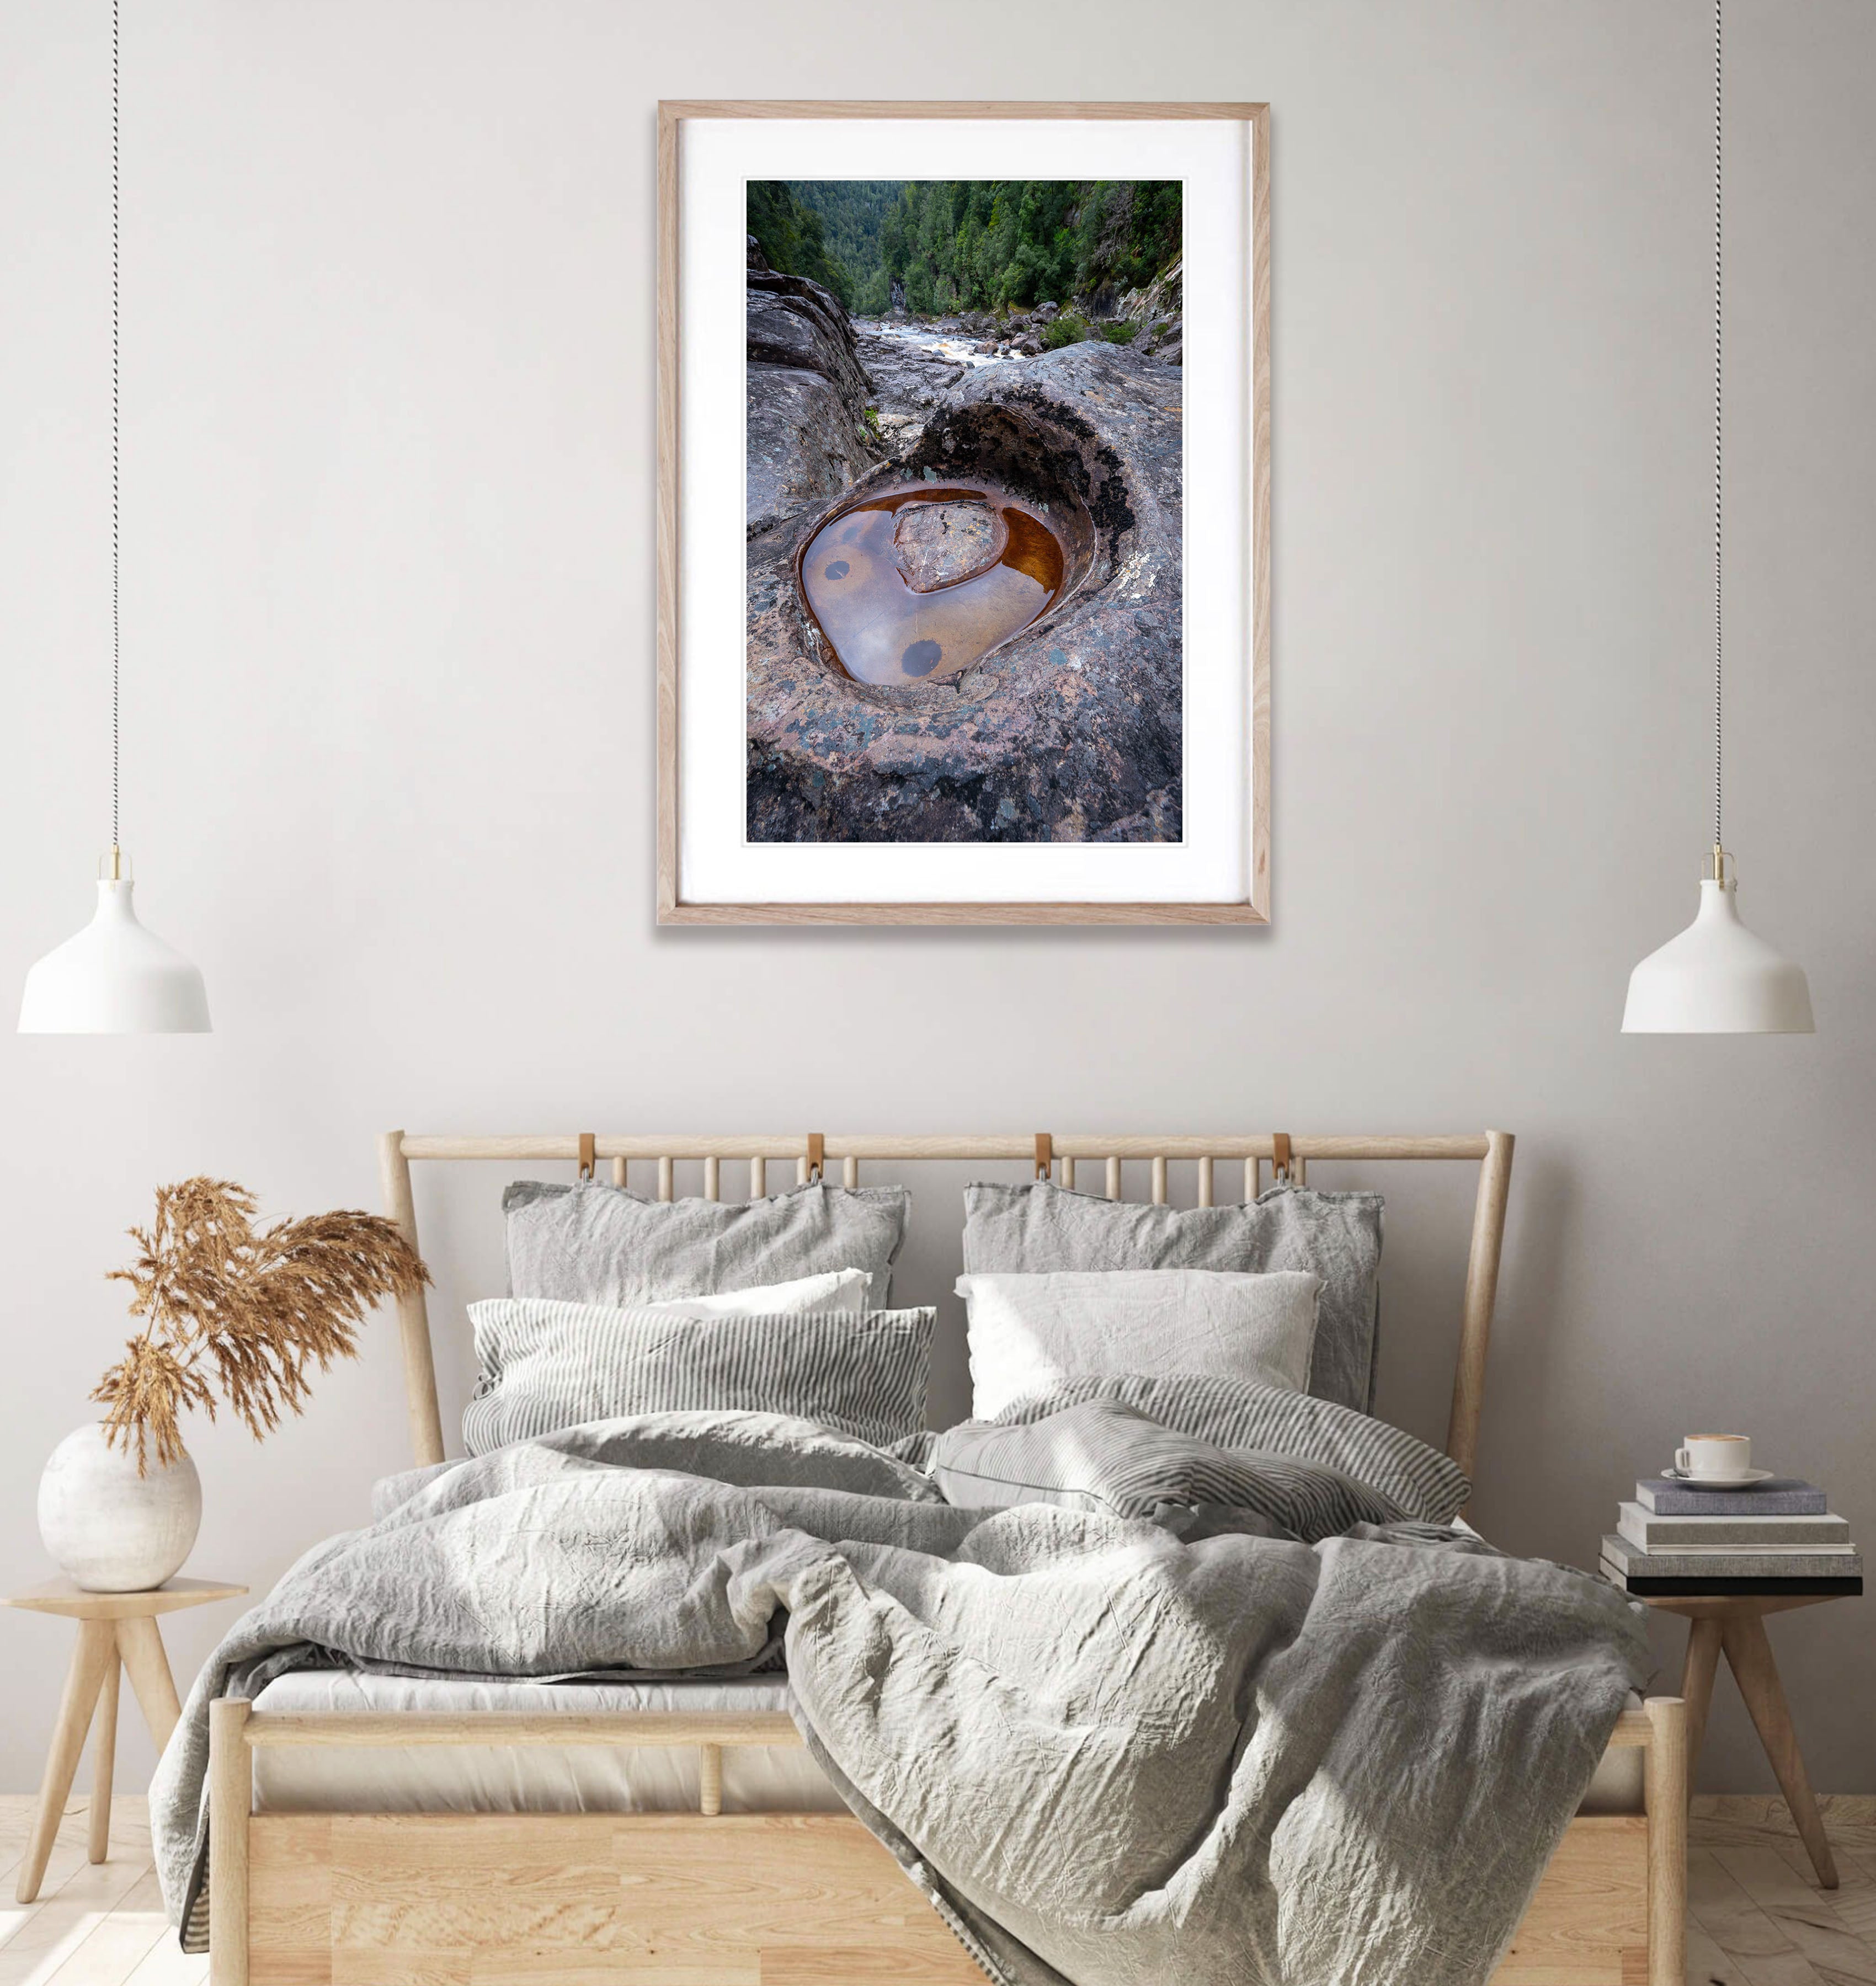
(1045,1155)
(817,1154)
(1280,1154)
(587,1141)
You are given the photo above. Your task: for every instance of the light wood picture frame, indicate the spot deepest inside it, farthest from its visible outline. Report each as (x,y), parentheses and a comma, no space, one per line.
(1242,664)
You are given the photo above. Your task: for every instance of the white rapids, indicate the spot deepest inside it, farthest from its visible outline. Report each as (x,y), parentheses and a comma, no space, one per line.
(957,348)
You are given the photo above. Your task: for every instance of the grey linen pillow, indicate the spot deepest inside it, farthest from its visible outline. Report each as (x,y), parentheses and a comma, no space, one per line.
(1335,1235)
(592,1243)
(1422,1482)
(1104,1455)
(562,1364)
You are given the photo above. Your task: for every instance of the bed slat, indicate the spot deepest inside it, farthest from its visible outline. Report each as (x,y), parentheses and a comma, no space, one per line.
(709,1778)
(634,1730)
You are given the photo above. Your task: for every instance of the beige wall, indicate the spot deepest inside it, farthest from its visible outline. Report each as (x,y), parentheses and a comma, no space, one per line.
(388,311)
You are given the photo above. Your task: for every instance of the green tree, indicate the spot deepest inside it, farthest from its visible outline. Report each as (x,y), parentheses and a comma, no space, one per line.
(792,237)
(969,244)
(852,212)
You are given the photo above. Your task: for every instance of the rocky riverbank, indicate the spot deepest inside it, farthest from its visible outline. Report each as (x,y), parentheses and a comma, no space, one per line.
(1069,730)
(807,434)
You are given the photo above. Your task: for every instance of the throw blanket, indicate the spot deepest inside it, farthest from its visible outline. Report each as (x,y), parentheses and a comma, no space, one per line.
(1108,1755)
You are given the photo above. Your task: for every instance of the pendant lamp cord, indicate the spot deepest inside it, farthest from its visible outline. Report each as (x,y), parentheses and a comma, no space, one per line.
(114,423)
(1719,621)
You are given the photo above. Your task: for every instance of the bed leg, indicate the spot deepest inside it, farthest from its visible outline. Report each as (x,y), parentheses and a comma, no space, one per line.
(230,1797)
(1666,1790)
(710,1778)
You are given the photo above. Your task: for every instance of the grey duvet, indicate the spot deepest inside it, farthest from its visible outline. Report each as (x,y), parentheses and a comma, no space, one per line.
(1109,1754)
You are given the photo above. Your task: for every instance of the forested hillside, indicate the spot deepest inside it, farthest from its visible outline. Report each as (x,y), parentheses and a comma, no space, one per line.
(967,244)
(851,211)
(793,237)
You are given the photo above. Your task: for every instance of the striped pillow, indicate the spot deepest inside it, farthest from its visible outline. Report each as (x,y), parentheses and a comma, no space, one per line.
(1233,1415)
(559,1364)
(1100,1455)
(842,1290)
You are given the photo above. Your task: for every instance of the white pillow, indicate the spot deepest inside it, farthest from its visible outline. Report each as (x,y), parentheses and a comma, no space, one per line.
(843,1291)
(1030,1332)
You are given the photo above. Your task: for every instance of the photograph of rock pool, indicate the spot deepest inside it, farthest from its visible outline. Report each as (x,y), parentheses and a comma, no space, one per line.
(964,494)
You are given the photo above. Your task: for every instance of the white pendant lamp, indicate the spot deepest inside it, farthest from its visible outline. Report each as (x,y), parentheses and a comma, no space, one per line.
(114,977)
(1716,978)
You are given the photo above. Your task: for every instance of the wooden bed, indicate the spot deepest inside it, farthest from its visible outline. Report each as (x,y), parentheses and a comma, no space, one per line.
(713,1899)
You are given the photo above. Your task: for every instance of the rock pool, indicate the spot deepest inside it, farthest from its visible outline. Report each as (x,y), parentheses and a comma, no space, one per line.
(915,584)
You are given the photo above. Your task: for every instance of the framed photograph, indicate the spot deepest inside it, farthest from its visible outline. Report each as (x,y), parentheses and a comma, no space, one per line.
(964,514)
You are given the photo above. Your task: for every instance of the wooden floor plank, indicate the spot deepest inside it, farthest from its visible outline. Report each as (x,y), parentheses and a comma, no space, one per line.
(121,1941)
(1854,1900)
(67,1858)
(167,1964)
(1806,1914)
(1707,1965)
(61,1920)
(1765,1955)
(1744,1822)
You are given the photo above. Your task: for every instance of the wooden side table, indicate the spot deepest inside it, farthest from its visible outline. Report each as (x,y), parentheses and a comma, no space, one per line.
(115,1629)
(1733,1624)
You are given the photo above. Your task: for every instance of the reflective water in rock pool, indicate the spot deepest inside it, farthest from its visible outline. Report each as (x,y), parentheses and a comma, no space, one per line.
(915,585)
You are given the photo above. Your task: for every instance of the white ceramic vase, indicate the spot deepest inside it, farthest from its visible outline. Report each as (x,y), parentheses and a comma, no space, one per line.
(110,1530)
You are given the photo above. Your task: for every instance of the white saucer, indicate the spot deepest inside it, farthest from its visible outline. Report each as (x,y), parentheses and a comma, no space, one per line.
(1747,1481)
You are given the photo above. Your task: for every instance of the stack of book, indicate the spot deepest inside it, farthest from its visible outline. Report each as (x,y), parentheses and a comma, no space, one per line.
(1777,1537)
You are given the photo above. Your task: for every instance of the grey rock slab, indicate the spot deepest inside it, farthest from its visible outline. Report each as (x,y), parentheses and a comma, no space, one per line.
(807,436)
(800,449)
(938,544)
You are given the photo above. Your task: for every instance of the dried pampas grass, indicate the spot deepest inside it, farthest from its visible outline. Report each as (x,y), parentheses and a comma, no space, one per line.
(253,1313)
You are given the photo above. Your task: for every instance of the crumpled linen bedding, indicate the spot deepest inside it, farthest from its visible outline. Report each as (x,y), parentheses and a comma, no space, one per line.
(1108,1754)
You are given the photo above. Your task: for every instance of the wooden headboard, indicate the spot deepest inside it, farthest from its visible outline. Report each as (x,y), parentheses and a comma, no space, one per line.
(1288,1157)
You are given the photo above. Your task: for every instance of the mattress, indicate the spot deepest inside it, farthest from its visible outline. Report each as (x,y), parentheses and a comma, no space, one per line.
(527,1779)
(585,1779)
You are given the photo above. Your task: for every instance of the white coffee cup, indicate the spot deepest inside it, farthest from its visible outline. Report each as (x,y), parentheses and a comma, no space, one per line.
(1724,1458)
